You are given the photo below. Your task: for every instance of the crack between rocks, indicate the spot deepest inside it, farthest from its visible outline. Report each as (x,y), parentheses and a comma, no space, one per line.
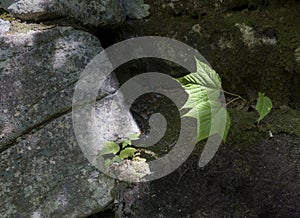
(43,123)
(53,94)
(36,127)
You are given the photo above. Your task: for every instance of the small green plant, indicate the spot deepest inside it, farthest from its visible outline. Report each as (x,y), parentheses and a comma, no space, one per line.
(263,106)
(121,151)
(204,88)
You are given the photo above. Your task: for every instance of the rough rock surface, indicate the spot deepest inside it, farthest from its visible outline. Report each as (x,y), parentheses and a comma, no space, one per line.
(250,39)
(46,175)
(4,26)
(136,9)
(38,72)
(93,13)
(43,171)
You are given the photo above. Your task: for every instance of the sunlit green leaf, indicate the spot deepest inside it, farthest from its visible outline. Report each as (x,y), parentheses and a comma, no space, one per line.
(204,76)
(125,143)
(127,152)
(110,148)
(203,88)
(134,136)
(212,118)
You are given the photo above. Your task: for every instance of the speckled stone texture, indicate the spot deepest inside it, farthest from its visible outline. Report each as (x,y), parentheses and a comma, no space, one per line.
(46,175)
(136,9)
(87,12)
(4,26)
(38,73)
(43,171)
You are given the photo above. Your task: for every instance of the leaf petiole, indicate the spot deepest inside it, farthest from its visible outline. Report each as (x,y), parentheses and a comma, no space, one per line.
(238,96)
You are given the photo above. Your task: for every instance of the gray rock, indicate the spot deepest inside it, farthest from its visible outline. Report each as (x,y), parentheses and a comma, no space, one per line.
(254,38)
(93,13)
(136,9)
(38,73)
(43,171)
(46,175)
(4,26)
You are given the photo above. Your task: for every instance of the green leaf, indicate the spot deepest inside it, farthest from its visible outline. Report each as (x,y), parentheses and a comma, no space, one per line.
(263,106)
(127,152)
(110,147)
(117,159)
(205,79)
(125,143)
(203,88)
(212,118)
(108,162)
(134,136)
(205,76)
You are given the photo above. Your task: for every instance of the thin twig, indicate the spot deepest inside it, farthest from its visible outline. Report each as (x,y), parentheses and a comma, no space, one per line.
(232,101)
(229,93)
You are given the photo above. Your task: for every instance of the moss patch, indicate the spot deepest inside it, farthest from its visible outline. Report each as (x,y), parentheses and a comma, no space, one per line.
(243,130)
(6,16)
(273,66)
(284,121)
(268,68)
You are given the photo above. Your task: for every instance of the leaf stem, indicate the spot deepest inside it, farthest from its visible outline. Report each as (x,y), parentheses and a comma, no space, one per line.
(232,100)
(238,96)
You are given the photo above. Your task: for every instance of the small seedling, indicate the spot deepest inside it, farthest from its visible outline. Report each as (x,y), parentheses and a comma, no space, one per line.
(121,151)
(263,106)
(204,89)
